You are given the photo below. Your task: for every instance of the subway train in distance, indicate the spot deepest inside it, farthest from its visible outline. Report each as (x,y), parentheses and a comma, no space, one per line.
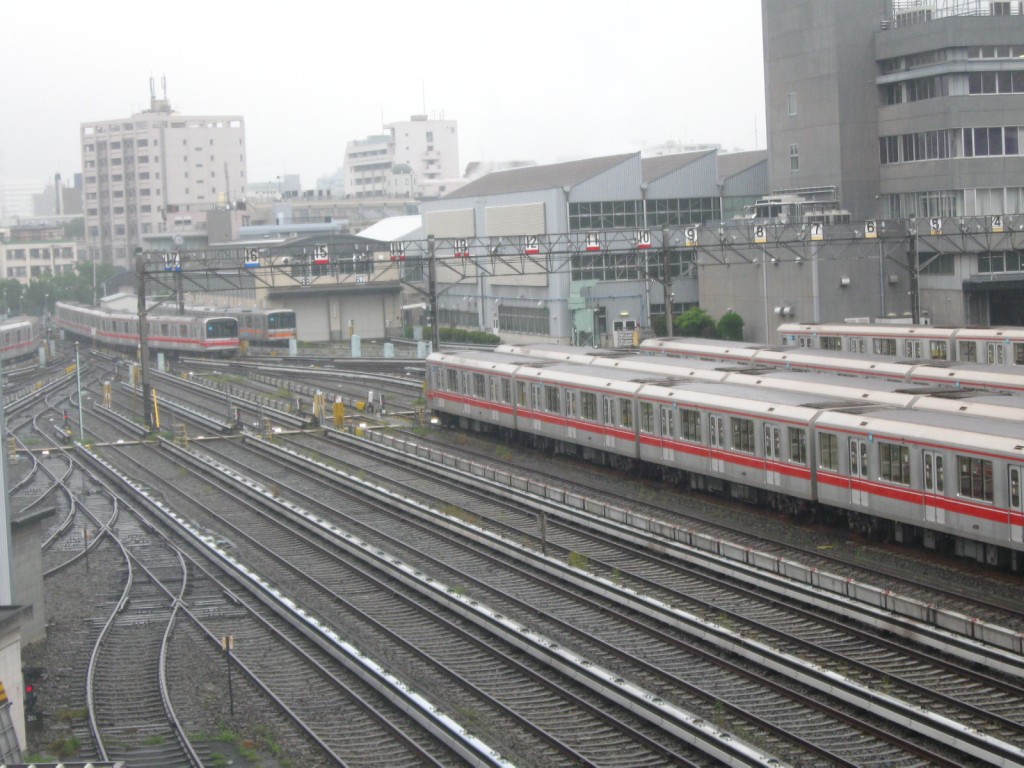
(1001,347)
(176,335)
(995,378)
(256,325)
(881,468)
(20,338)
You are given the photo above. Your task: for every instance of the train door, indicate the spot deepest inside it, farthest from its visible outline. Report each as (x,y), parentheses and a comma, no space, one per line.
(772,453)
(1014,503)
(858,470)
(610,421)
(668,432)
(934,487)
(994,353)
(716,429)
(913,349)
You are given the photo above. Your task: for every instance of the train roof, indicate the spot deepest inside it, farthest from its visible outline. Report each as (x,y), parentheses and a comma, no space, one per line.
(970,433)
(904,330)
(150,317)
(732,349)
(869,329)
(971,375)
(559,351)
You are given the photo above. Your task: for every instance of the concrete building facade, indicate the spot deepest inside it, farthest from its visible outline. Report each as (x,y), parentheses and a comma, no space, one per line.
(157,172)
(28,252)
(909,112)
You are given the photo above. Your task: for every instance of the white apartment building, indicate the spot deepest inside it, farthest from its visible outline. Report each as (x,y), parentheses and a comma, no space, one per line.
(35,251)
(418,157)
(155,175)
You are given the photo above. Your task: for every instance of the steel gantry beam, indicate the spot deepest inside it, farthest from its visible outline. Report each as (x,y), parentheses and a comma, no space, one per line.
(434,265)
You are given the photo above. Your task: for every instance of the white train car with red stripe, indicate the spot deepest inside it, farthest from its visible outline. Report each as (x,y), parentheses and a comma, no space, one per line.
(945,480)
(185,334)
(20,337)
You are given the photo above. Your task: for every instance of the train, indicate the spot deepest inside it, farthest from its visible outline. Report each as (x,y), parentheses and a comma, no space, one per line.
(996,378)
(898,394)
(20,337)
(945,480)
(1002,347)
(258,326)
(176,335)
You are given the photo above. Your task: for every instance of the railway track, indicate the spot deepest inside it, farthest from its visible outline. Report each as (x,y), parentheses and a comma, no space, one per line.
(527,593)
(452,557)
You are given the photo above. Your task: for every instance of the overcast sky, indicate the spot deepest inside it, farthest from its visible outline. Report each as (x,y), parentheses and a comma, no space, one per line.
(544,80)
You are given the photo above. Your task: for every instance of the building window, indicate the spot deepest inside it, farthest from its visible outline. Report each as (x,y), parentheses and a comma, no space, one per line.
(794,157)
(605,215)
(791,103)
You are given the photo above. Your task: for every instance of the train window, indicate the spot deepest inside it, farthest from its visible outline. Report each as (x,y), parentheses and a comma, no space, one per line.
(588,406)
(857,345)
(742,434)
(552,400)
(668,422)
(968,352)
(975,477)
(465,386)
(689,420)
(1015,488)
(797,445)
(506,391)
(940,476)
(938,350)
(884,346)
(492,389)
(1018,354)
(453,380)
(647,418)
(831,342)
(479,385)
(894,462)
(570,405)
(625,412)
(521,393)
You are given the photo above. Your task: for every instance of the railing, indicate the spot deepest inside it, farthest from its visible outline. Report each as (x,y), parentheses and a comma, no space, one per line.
(907,12)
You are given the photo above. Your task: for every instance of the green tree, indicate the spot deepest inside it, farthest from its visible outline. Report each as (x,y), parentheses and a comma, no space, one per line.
(730,326)
(696,322)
